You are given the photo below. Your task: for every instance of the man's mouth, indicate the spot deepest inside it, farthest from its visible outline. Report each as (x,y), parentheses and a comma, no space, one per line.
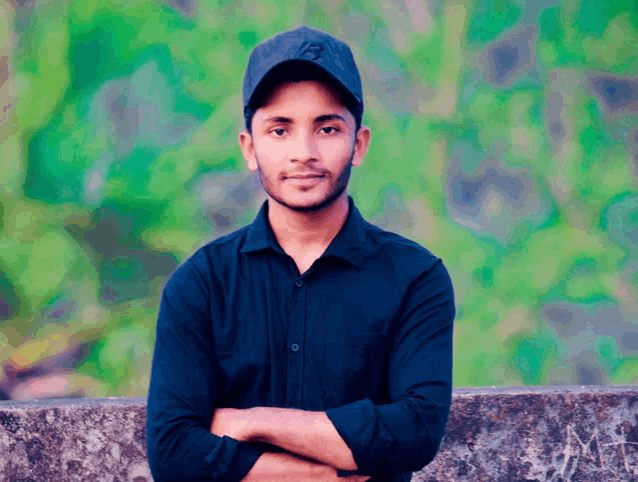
(304,180)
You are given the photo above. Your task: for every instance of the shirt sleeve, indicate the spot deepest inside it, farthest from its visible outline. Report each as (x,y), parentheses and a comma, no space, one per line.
(405,435)
(183,391)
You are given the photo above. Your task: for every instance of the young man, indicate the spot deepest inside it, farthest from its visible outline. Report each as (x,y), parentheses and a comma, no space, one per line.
(310,344)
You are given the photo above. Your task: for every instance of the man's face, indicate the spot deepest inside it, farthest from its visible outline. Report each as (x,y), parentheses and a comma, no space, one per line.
(303,145)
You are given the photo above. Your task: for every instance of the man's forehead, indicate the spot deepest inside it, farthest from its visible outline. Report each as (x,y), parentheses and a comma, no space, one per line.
(293,89)
(317,119)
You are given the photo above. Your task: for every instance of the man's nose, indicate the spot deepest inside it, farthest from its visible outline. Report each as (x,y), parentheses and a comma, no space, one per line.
(303,147)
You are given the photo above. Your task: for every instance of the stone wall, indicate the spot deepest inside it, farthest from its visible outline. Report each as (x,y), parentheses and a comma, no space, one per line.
(510,434)
(505,434)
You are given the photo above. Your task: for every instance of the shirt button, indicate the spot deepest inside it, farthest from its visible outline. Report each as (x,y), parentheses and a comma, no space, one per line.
(294,347)
(298,283)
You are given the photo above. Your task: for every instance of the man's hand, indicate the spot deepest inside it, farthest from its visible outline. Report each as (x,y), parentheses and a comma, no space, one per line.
(232,422)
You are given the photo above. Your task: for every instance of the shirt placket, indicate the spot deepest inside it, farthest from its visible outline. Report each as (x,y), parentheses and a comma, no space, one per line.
(294,345)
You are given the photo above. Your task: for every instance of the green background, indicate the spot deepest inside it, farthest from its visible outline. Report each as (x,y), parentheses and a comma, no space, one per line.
(504,139)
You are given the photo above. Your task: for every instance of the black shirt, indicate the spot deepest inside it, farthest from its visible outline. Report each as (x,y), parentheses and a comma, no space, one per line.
(365,334)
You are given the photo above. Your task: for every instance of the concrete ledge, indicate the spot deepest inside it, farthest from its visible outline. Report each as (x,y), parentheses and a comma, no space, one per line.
(556,434)
(504,434)
(68,439)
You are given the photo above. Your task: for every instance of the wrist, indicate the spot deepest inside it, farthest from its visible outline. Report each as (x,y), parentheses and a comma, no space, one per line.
(255,431)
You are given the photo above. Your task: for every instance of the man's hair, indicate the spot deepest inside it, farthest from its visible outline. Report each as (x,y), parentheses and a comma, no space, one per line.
(297,71)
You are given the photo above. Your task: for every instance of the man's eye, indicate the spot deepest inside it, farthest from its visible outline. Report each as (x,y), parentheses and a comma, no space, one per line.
(329,127)
(279,132)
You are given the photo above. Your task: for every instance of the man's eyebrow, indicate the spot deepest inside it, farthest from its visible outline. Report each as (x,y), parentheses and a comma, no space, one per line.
(284,120)
(321,118)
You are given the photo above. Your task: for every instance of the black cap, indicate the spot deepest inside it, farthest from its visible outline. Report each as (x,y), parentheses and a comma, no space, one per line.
(302,45)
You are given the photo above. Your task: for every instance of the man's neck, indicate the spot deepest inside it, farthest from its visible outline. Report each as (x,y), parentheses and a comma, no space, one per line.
(298,230)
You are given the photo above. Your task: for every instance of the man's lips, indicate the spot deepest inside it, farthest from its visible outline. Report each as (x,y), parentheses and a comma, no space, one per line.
(307,176)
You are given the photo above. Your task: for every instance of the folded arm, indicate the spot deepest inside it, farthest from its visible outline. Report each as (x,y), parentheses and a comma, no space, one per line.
(305,433)
(313,448)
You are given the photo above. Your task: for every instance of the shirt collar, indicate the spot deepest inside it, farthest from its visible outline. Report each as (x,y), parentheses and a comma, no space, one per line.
(349,244)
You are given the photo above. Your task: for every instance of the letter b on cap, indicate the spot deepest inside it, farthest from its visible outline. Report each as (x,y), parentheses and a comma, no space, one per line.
(312,52)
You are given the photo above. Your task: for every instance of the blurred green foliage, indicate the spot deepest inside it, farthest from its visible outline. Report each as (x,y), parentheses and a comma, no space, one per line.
(504,140)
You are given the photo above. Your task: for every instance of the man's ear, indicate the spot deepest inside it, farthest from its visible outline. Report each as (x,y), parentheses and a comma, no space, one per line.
(248,149)
(361,144)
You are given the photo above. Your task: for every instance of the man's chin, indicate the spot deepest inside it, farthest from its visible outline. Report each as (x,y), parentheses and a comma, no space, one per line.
(308,205)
